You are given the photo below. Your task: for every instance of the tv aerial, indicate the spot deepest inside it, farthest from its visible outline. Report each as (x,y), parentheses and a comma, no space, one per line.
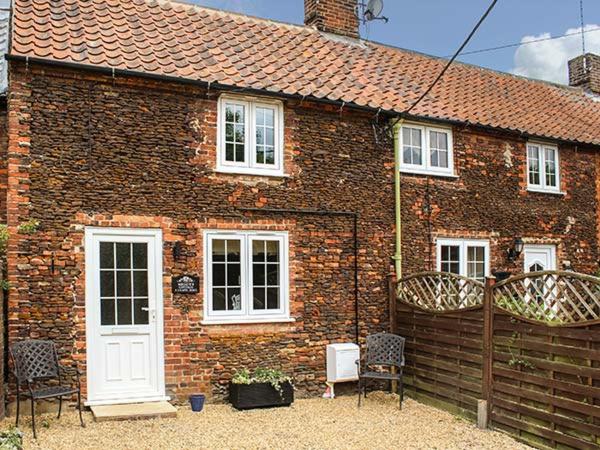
(367,12)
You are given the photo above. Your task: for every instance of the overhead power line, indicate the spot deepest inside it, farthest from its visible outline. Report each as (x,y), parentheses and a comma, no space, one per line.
(533,41)
(441,74)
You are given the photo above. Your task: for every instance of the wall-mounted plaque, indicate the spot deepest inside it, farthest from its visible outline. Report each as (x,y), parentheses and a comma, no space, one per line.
(185,284)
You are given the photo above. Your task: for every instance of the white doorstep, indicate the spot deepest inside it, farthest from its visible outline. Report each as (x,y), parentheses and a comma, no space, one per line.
(133,411)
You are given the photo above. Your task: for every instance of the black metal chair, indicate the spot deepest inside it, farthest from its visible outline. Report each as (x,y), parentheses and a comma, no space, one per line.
(36,363)
(384,350)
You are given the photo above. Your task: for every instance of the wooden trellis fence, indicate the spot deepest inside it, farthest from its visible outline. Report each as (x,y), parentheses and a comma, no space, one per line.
(528,345)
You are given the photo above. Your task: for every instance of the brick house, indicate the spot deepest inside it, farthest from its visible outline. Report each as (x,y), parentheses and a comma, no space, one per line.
(149,140)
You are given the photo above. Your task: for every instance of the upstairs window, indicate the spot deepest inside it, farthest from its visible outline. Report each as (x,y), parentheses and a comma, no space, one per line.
(250,136)
(426,150)
(542,168)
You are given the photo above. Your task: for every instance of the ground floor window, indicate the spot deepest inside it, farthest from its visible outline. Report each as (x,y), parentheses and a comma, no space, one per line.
(466,257)
(246,276)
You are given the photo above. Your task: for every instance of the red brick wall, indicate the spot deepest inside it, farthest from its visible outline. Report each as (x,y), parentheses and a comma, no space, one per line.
(141,154)
(88,150)
(489,200)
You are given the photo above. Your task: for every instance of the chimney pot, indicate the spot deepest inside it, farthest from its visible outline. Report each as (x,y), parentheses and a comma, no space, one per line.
(332,16)
(584,71)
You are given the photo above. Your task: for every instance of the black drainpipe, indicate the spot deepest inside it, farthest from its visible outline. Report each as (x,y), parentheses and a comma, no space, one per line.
(325,212)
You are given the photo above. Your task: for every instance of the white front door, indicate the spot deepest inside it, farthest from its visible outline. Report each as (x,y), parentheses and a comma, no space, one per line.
(124,315)
(538,258)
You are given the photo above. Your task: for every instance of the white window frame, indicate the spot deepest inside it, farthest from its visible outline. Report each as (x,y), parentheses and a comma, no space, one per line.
(250,166)
(426,168)
(542,186)
(247,314)
(463,244)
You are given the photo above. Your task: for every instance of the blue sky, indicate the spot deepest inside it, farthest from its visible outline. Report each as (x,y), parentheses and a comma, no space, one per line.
(438,27)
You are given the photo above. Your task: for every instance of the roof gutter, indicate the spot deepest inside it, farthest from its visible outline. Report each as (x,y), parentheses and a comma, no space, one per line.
(229,87)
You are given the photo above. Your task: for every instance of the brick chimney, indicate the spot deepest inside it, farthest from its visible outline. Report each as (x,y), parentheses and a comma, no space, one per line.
(332,16)
(584,71)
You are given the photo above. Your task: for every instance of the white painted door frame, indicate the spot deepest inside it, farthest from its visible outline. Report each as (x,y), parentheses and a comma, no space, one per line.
(154,390)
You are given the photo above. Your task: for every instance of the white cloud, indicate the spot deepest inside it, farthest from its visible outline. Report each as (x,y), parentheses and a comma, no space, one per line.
(547,60)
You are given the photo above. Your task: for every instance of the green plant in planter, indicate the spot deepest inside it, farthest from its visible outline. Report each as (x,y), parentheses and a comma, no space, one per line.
(29,227)
(274,377)
(11,439)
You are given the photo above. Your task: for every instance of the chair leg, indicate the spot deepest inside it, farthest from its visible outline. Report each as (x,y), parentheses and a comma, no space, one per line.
(79,408)
(33,417)
(359,389)
(59,406)
(365,386)
(18,408)
(401,392)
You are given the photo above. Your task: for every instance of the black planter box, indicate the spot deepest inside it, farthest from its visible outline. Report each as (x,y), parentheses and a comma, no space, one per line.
(260,395)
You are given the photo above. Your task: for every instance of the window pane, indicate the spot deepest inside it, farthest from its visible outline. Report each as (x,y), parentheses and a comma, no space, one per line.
(218,299)
(258,250)
(273,274)
(235,132)
(258,274)
(533,159)
(270,156)
(107,283)
(124,311)
(269,136)
(272,251)
(411,146)
(272,298)
(233,250)
(229,152)
(218,274)
(550,155)
(123,255)
(107,256)
(140,316)
(476,262)
(140,255)
(233,275)
(123,283)
(140,283)
(259,298)
(260,135)
(438,146)
(218,250)
(234,299)
(107,312)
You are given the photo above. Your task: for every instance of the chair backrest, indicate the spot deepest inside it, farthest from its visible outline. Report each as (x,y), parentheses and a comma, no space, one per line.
(34,359)
(385,349)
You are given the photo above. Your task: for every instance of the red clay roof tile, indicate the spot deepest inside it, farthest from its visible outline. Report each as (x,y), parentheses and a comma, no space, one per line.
(159,37)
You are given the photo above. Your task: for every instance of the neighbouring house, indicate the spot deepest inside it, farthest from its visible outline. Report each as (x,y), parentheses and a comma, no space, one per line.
(191,191)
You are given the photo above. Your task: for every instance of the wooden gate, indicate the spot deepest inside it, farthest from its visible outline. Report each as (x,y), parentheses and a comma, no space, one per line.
(529,345)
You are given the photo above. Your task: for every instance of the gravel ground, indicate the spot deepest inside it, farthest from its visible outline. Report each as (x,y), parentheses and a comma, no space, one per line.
(308,424)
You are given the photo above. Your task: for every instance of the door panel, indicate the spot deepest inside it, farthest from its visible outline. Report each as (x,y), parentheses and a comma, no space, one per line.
(124,315)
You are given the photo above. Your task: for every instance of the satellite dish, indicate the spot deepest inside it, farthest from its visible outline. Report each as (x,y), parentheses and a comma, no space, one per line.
(373,11)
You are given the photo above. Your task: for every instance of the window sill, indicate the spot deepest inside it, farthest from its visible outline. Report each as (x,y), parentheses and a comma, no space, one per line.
(247,321)
(428,173)
(250,172)
(545,191)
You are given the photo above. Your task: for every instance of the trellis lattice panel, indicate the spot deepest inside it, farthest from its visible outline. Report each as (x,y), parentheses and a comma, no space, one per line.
(440,291)
(554,297)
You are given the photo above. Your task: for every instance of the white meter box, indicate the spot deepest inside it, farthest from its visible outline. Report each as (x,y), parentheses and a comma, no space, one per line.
(341,362)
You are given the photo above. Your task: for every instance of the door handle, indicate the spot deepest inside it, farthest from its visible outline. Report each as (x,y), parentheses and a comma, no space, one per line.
(151,311)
